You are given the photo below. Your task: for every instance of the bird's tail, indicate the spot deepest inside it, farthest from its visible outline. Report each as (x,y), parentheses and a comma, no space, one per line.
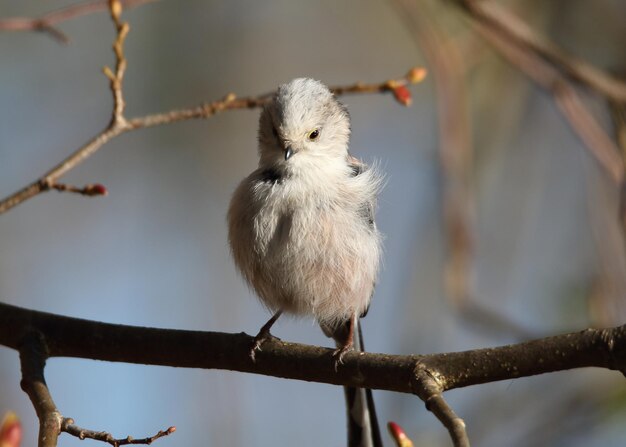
(363,429)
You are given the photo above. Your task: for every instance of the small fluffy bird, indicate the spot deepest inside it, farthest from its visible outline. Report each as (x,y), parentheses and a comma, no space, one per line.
(302,231)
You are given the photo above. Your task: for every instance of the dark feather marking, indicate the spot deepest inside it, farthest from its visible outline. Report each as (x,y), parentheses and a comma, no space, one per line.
(271,175)
(366,209)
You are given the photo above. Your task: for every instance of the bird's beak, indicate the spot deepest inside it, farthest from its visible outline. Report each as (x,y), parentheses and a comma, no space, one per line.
(288,153)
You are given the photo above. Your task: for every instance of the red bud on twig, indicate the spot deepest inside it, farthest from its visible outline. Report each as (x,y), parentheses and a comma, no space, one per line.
(402,95)
(10,430)
(398,435)
(95,189)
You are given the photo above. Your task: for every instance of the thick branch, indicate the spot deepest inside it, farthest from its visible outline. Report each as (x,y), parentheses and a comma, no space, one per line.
(72,337)
(431,393)
(33,360)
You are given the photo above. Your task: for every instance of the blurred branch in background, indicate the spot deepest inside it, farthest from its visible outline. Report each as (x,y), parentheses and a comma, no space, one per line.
(546,65)
(551,73)
(47,23)
(456,154)
(515,31)
(455,145)
(550,67)
(566,97)
(605,300)
(618,113)
(451,53)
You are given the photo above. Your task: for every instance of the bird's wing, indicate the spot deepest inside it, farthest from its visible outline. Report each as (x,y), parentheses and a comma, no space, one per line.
(366,208)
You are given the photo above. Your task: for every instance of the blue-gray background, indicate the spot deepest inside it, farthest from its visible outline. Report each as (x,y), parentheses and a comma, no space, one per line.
(154,252)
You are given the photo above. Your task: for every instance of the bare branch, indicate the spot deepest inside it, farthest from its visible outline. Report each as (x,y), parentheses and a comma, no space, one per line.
(72,337)
(120,124)
(69,427)
(92,189)
(431,393)
(116,79)
(425,375)
(230,102)
(33,354)
(47,22)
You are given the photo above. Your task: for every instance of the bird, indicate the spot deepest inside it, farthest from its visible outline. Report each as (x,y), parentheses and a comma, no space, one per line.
(302,230)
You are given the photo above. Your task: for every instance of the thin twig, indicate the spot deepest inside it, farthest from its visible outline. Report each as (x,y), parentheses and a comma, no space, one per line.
(69,427)
(90,190)
(116,79)
(229,102)
(47,22)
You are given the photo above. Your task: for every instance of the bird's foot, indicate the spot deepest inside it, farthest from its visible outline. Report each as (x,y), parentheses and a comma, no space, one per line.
(339,353)
(261,337)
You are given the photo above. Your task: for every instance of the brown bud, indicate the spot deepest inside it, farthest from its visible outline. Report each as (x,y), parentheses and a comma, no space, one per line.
(416,74)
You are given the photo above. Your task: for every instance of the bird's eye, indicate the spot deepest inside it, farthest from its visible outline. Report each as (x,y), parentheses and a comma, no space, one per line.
(314,134)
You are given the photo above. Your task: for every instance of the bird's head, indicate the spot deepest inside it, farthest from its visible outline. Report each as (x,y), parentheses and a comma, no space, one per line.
(303,125)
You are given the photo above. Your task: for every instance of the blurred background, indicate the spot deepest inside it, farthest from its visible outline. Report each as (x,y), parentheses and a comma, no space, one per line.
(500,224)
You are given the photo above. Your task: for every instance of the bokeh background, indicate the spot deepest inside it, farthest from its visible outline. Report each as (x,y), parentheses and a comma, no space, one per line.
(514,236)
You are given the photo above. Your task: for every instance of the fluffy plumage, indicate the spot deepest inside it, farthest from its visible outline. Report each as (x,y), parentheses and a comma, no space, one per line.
(301,226)
(301,230)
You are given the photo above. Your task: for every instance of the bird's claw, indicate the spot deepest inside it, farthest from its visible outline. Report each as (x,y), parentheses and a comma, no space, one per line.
(258,341)
(338,355)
